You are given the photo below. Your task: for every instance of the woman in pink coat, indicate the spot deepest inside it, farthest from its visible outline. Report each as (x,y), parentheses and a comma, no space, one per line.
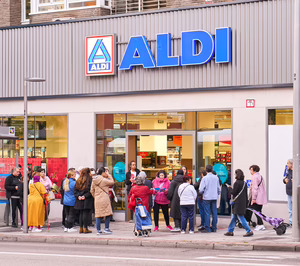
(257,196)
(161,184)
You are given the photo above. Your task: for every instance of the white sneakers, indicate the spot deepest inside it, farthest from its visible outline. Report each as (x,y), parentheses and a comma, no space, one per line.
(65,229)
(36,230)
(260,228)
(72,230)
(176,229)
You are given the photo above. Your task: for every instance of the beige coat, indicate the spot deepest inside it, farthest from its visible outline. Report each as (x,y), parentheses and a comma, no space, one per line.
(100,191)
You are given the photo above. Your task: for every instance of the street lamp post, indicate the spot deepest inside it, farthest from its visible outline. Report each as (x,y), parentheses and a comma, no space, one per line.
(296,140)
(25,191)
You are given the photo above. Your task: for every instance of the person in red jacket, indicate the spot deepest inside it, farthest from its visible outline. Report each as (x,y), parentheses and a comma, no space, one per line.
(140,191)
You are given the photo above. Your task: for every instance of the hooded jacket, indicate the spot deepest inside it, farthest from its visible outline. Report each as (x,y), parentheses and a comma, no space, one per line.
(161,186)
(100,192)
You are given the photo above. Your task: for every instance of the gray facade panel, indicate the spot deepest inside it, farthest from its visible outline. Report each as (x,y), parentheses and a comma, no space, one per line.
(262,51)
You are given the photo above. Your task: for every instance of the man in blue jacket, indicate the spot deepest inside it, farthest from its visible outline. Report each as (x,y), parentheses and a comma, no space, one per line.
(210,188)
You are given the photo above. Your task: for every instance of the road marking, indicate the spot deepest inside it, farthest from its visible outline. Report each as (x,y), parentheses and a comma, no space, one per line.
(136,259)
(251,256)
(234,258)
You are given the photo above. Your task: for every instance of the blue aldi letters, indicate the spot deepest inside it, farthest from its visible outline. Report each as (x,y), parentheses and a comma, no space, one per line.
(198,47)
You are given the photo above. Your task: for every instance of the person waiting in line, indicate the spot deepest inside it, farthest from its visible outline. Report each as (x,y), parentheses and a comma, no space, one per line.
(100,192)
(187,195)
(140,191)
(14,193)
(173,196)
(36,205)
(84,199)
(130,179)
(288,181)
(161,184)
(210,188)
(257,196)
(240,200)
(200,197)
(69,200)
(185,170)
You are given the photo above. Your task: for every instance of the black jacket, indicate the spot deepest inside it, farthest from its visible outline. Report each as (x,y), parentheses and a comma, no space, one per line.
(289,185)
(10,186)
(128,182)
(88,203)
(240,204)
(174,197)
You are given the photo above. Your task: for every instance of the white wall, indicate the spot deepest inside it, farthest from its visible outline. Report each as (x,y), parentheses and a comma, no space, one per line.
(82,137)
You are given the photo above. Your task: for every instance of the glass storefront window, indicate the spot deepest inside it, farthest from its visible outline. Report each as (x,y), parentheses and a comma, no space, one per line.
(280,117)
(111,151)
(162,121)
(214,120)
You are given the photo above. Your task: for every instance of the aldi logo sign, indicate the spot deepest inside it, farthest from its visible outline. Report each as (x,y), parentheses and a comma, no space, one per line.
(100,55)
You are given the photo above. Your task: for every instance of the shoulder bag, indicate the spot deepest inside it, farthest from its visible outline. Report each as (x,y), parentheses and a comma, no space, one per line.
(232,201)
(44,200)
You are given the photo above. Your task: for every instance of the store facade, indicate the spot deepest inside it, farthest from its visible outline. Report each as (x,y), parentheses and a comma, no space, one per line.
(193,86)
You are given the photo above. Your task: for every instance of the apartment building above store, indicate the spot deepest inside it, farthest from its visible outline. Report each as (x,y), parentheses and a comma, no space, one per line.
(17,12)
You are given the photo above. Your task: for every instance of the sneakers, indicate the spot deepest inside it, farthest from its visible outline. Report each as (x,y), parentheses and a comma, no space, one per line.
(228,234)
(192,232)
(248,234)
(36,230)
(260,228)
(99,232)
(156,229)
(71,230)
(107,231)
(65,229)
(176,229)
(170,227)
(182,232)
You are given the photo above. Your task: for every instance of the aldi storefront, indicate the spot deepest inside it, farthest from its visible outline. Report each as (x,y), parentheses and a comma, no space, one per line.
(192,86)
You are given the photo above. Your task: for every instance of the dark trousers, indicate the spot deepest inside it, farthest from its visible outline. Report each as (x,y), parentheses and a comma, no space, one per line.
(165,210)
(187,212)
(69,212)
(16,203)
(177,223)
(249,213)
(84,218)
(63,222)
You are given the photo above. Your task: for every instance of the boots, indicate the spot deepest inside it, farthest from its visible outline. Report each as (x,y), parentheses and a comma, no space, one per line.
(81,230)
(86,231)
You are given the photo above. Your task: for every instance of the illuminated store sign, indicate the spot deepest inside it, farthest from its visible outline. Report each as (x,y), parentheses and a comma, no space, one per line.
(197,48)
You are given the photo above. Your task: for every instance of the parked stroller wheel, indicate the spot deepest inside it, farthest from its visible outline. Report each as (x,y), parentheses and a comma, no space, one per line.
(136,233)
(280,230)
(240,225)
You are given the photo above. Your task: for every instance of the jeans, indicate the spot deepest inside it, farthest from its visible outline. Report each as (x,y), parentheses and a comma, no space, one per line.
(290,205)
(98,223)
(187,212)
(242,219)
(165,210)
(210,207)
(201,209)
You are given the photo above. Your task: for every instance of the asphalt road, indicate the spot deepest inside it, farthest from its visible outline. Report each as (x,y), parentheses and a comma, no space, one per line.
(19,254)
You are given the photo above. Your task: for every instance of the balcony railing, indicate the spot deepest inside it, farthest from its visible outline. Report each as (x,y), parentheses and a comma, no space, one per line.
(128,6)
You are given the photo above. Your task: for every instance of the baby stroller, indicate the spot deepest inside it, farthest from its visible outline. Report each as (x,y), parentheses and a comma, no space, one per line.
(143,220)
(278,225)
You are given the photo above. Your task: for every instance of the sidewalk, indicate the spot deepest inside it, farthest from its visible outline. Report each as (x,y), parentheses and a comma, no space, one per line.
(123,235)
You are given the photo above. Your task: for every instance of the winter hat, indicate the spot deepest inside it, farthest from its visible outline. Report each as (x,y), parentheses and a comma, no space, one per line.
(140,179)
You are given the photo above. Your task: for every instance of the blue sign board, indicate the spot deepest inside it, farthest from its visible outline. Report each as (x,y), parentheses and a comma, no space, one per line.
(221,171)
(120,172)
(197,48)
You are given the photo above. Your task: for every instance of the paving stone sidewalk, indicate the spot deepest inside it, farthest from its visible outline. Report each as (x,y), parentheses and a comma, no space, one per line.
(123,235)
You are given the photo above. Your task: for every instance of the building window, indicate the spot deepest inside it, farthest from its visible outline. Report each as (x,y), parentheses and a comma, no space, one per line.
(40,6)
(280,149)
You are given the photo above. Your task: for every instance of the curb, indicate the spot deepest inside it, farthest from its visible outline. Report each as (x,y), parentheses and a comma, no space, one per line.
(154,243)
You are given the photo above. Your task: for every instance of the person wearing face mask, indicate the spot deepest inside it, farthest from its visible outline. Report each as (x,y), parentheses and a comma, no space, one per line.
(100,192)
(161,184)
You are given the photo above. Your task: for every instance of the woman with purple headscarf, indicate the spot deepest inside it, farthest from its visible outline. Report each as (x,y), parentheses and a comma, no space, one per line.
(36,206)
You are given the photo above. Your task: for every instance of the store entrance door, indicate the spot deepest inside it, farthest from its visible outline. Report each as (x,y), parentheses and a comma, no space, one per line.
(161,150)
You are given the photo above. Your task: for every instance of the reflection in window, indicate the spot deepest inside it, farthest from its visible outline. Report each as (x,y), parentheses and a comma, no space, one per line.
(214,120)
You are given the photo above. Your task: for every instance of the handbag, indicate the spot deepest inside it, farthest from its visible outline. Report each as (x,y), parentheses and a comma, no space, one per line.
(232,201)
(51,195)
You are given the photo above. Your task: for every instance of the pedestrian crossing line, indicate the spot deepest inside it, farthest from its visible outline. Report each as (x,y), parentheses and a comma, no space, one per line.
(234,258)
(252,256)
